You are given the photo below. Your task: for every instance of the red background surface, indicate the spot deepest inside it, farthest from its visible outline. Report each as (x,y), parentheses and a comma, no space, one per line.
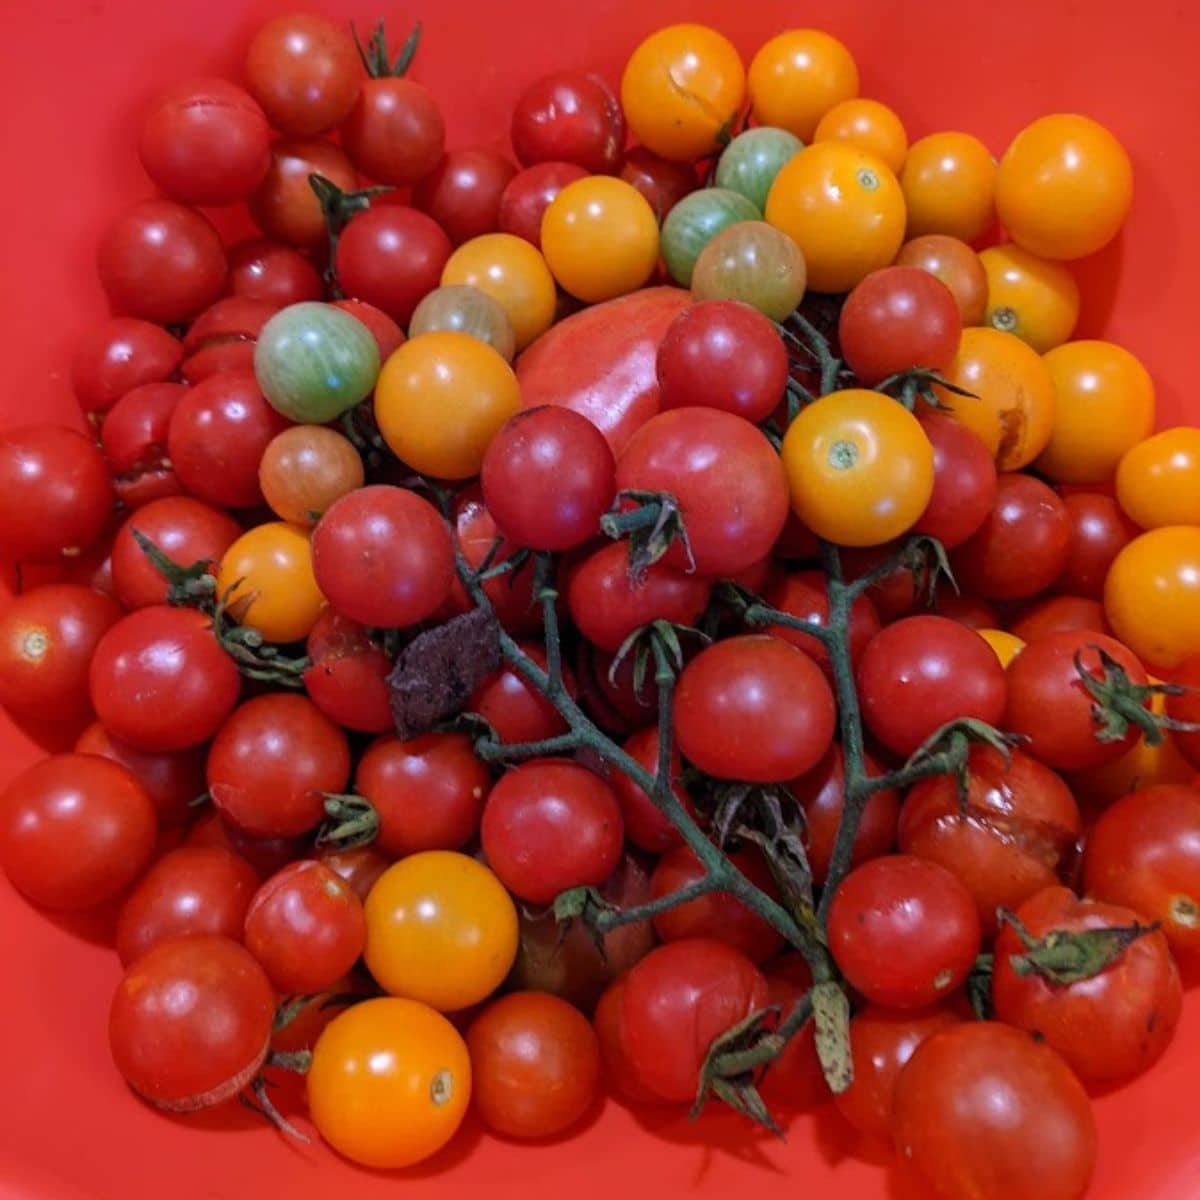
(74,75)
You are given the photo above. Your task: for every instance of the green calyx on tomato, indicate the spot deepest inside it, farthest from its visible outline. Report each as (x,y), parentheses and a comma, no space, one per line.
(1064,957)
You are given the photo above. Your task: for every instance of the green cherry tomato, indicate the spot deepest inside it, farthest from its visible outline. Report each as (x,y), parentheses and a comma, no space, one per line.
(314,361)
(751,161)
(695,221)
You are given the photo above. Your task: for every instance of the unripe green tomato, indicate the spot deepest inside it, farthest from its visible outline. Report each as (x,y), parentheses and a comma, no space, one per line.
(695,221)
(751,161)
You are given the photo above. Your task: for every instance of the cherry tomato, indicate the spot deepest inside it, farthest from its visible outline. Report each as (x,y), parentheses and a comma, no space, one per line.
(754,263)
(949,183)
(461,308)
(118,355)
(797,77)
(1036,299)
(223,336)
(1058,613)
(1099,531)
(347,680)
(515,710)
(569,116)
(530,193)
(1064,187)
(395,132)
(260,269)
(695,222)
(441,929)
(387,334)
(285,207)
(803,595)
(359,866)
(956,265)
(305,469)
(869,125)
(265,854)
(663,182)
(1158,480)
(619,1070)
(646,826)
(795,1079)
(133,438)
(964,481)
(462,193)
(752,160)
(1006,646)
(610,692)
(967,610)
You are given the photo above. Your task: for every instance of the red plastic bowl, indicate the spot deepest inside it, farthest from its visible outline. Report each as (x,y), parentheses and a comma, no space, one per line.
(75,74)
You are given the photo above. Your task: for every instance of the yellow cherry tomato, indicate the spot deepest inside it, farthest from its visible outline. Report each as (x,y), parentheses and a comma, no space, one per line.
(797,77)
(441,929)
(842,206)
(869,125)
(681,89)
(600,238)
(390,1082)
(1104,407)
(267,579)
(439,401)
(1064,186)
(1152,595)
(1158,480)
(859,466)
(949,182)
(1006,646)
(514,274)
(1012,405)
(1034,298)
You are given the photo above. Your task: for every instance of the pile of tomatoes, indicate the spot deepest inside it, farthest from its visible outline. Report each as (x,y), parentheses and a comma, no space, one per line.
(816,558)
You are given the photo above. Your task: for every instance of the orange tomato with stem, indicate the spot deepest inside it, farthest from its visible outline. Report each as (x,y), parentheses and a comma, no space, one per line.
(797,77)
(266,578)
(1034,298)
(949,184)
(869,125)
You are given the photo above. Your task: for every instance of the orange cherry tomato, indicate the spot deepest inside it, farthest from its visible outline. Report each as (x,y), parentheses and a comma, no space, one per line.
(797,77)
(1012,409)
(1064,186)
(1034,298)
(514,274)
(843,208)
(600,238)
(1158,480)
(1005,645)
(267,579)
(949,182)
(1104,407)
(390,1082)
(956,265)
(859,466)
(869,125)
(681,89)
(440,399)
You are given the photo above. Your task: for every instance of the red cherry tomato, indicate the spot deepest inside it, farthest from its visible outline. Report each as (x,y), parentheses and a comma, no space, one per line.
(260,269)
(285,207)
(968,610)
(1099,531)
(610,694)
(569,116)
(646,826)
(134,441)
(528,195)
(516,711)
(265,854)
(348,677)
(620,1072)
(795,1079)
(663,182)
(964,481)
(395,132)
(118,355)
(1059,613)
(222,337)
(803,595)
(359,866)
(462,193)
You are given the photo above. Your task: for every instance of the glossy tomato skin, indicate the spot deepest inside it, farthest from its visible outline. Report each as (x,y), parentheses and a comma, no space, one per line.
(802,594)
(285,207)
(271,761)
(195,889)
(569,116)
(949,185)
(1186,708)
(646,826)
(387,334)
(1058,613)
(677,1001)
(516,710)
(261,269)
(662,182)
(1017,832)
(395,132)
(795,1080)
(1099,532)
(550,825)
(75,830)
(133,438)
(462,193)
(983,1110)
(117,355)
(223,336)
(359,866)
(348,677)
(618,1069)
(160,681)
(956,265)
(1109,1028)
(529,193)
(964,482)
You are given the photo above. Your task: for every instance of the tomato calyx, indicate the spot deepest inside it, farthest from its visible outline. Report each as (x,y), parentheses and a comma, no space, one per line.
(351,820)
(947,752)
(338,208)
(256,658)
(810,349)
(924,557)
(1064,957)
(653,522)
(193,586)
(1118,702)
(374,54)
(921,383)
(658,643)
(729,1070)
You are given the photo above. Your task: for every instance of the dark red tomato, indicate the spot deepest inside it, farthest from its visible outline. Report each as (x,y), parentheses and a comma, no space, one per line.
(428,793)
(897,319)
(395,132)
(1021,547)
(75,830)
(260,269)
(217,436)
(1057,614)
(47,638)
(535,1065)
(1111,1027)
(723,354)
(821,793)
(306,927)
(612,696)
(391,257)
(187,531)
(1016,832)
(717,915)
(550,825)
(728,479)
(56,495)
(983,1110)
(195,889)
(607,605)
(753,708)
(383,556)
(359,866)
(895,594)
(620,1071)
(1099,531)
(921,673)
(160,681)
(803,595)
(116,356)
(548,477)
(881,1042)
(205,142)
(462,193)
(174,779)
(662,182)
(348,677)
(265,855)
(305,72)
(517,712)
(387,334)
(1143,853)
(222,337)
(964,481)
(569,116)
(678,1000)
(529,194)
(602,362)
(1049,705)
(161,261)
(794,1080)
(1186,708)
(967,610)
(646,827)
(271,761)
(904,931)
(134,440)
(285,207)
(190,1024)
